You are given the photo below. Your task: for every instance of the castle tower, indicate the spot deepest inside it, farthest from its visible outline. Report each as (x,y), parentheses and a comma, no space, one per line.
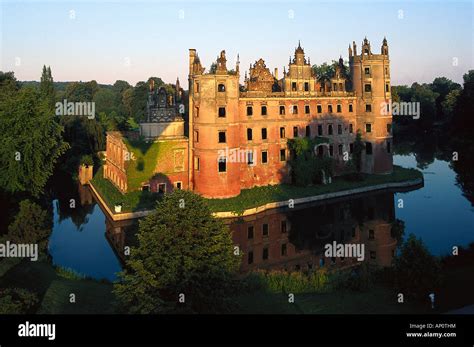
(300,79)
(371,83)
(214,129)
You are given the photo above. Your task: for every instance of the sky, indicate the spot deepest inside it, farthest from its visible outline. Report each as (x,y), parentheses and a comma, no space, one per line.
(133,40)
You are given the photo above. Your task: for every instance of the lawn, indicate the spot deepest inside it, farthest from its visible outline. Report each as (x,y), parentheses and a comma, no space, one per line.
(249,198)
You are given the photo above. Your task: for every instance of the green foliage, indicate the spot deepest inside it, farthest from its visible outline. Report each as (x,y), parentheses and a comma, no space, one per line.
(30,134)
(132,201)
(31,225)
(306,166)
(81,91)
(145,156)
(417,272)
(47,86)
(277,281)
(17,301)
(69,274)
(213,68)
(464,109)
(359,147)
(87,160)
(182,249)
(325,71)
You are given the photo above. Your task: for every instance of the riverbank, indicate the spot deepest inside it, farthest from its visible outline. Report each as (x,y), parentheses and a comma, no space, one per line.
(258,199)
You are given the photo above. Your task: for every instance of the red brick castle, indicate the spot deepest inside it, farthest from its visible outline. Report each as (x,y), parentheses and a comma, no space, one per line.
(237,135)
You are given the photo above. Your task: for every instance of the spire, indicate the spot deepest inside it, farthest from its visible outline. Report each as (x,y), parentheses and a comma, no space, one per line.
(237,65)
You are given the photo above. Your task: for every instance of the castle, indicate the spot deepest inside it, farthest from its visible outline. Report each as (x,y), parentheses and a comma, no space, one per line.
(237,135)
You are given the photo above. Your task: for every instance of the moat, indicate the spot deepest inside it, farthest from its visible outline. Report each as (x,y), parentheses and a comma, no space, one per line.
(88,242)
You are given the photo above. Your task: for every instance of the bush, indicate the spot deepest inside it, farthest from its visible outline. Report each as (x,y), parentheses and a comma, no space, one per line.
(417,272)
(17,301)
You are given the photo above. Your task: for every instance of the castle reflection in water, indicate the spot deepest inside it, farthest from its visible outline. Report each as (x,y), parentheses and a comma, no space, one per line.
(294,239)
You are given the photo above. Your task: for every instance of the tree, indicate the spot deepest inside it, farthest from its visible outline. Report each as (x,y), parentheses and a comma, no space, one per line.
(31,225)
(443,86)
(464,109)
(17,301)
(47,86)
(359,147)
(31,141)
(182,250)
(416,270)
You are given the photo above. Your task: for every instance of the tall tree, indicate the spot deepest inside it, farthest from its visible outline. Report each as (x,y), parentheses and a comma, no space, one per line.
(183,250)
(47,86)
(31,141)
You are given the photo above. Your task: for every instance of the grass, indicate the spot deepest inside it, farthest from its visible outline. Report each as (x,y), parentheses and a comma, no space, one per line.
(250,198)
(53,289)
(258,196)
(132,201)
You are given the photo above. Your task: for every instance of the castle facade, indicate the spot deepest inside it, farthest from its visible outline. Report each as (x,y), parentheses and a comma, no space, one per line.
(237,135)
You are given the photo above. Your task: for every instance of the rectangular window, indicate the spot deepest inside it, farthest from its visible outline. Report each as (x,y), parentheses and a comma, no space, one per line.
(295,109)
(367,71)
(250,257)
(282,155)
(196,136)
(387,88)
(331,150)
(351,148)
(265,229)
(283,226)
(250,158)
(162,188)
(197,87)
(308,131)
(283,249)
(368,128)
(368,148)
(329,129)
(282,110)
(351,128)
(330,108)
(282,133)
(249,110)
(222,137)
(320,130)
(295,131)
(339,129)
(389,147)
(339,149)
(264,157)
(371,234)
(197,112)
(265,253)
(339,108)
(250,232)
(306,86)
(249,134)
(320,108)
(222,165)
(389,128)
(264,133)
(367,88)
(264,110)
(368,108)
(306,109)
(293,86)
(196,163)
(221,112)
(350,108)
(179,185)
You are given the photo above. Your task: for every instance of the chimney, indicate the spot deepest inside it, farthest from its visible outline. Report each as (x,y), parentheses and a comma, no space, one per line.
(276,73)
